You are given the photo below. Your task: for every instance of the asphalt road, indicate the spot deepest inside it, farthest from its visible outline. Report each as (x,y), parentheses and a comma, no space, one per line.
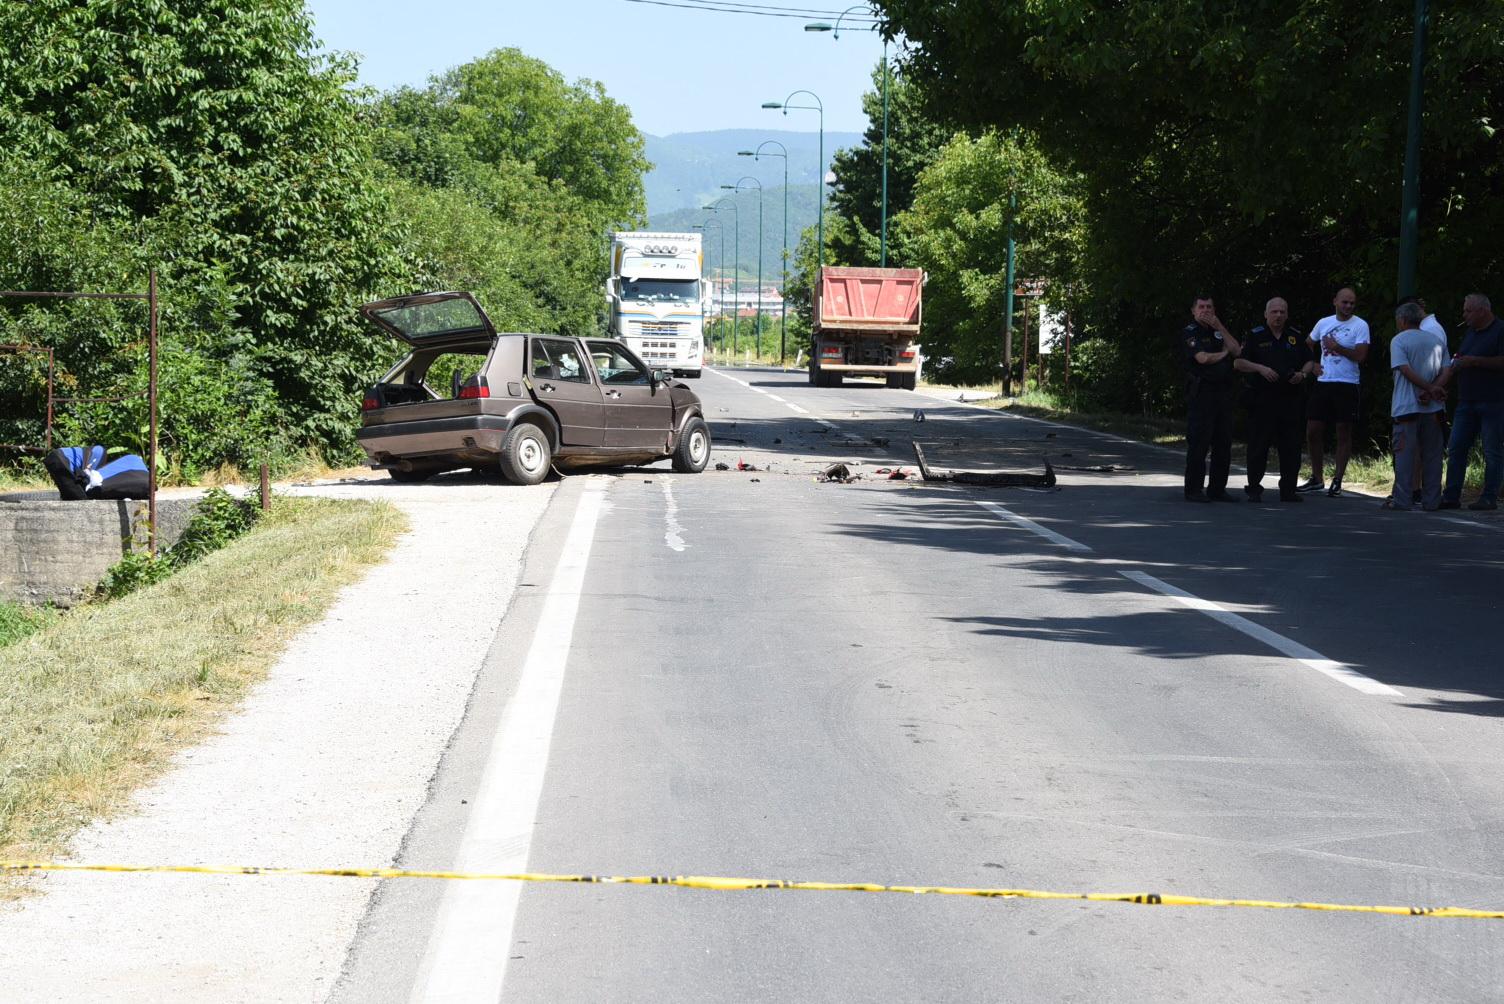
(1099,688)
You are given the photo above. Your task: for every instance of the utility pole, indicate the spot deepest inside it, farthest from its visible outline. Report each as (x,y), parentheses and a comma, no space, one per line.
(1410,197)
(1008,309)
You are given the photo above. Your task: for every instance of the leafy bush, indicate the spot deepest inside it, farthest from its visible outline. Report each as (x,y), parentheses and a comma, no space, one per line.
(132,572)
(216,521)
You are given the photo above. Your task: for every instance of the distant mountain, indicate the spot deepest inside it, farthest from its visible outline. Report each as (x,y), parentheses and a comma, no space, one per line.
(689,167)
(801,214)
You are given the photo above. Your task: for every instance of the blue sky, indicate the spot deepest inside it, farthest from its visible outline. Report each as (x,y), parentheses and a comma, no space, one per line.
(678,70)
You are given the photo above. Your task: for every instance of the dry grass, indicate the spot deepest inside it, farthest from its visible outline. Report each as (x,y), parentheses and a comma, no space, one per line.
(94,706)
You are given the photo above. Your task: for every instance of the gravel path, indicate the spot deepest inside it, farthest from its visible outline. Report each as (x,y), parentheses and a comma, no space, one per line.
(324,765)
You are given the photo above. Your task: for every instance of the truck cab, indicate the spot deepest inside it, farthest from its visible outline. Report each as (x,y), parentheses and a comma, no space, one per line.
(655,299)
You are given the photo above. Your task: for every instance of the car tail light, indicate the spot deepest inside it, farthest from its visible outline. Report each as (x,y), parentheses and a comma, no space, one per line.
(906,354)
(371,403)
(475,387)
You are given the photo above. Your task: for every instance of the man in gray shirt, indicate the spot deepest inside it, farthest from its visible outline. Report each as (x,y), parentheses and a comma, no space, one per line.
(1416,359)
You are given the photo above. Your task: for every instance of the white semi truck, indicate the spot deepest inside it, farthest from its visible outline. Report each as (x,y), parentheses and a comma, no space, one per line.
(655,298)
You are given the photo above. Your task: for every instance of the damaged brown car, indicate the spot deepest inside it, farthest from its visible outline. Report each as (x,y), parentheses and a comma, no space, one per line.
(466,395)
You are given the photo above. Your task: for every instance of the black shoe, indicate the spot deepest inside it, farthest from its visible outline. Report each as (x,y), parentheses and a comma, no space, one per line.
(1313,485)
(1220,497)
(1415,497)
(1335,491)
(1484,505)
(1292,497)
(1450,504)
(1255,493)
(1196,496)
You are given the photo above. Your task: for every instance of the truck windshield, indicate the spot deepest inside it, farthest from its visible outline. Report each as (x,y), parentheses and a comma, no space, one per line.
(661,290)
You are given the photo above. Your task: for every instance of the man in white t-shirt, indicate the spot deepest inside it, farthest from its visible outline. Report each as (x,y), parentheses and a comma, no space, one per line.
(1341,344)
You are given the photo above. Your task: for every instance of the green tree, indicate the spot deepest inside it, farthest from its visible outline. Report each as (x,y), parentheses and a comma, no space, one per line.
(506,107)
(219,133)
(957,231)
(1247,148)
(914,140)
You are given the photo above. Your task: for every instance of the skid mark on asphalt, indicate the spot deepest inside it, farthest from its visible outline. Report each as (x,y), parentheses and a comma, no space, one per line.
(1285,646)
(467,952)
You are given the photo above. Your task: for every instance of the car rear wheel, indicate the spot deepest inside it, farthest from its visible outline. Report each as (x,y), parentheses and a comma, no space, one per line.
(526,455)
(693,450)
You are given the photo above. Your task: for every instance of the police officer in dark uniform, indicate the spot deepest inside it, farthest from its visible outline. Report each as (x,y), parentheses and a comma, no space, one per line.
(1277,361)
(1209,350)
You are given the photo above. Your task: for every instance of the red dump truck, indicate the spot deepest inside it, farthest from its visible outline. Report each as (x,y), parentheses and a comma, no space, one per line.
(866,324)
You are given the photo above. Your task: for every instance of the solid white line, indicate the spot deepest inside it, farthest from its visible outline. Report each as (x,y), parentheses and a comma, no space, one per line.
(467,951)
(673,534)
(1032,527)
(1309,657)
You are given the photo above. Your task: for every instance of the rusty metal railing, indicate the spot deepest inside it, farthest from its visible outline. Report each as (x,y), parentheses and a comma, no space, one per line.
(150,296)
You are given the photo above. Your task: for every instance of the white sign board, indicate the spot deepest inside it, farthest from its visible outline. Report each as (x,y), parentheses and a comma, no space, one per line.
(1051,331)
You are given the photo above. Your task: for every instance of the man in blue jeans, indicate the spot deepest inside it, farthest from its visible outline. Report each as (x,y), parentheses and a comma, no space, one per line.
(1478,369)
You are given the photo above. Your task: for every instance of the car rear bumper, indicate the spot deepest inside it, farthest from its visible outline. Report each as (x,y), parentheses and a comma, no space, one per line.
(467,435)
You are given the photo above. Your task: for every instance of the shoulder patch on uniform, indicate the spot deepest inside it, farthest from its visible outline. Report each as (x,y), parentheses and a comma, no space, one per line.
(1291,339)
(1259,330)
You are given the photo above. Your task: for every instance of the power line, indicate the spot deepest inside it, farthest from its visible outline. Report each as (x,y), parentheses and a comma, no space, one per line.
(859,21)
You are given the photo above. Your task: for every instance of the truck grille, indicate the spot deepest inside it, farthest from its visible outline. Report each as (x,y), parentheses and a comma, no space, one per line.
(662,329)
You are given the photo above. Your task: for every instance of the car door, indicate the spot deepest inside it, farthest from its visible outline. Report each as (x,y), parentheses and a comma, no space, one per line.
(638,414)
(563,380)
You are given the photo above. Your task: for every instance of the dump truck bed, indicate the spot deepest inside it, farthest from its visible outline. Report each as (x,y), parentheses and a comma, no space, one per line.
(868,300)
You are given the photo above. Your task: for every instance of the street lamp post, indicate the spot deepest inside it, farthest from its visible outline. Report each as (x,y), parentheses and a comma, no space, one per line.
(721,260)
(757,319)
(836,34)
(1410,197)
(783,309)
(818,106)
(736,267)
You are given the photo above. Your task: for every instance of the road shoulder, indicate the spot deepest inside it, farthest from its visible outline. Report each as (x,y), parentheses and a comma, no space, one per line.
(324,765)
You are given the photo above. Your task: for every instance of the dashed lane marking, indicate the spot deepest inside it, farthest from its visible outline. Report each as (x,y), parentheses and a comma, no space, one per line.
(1032,527)
(1308,657)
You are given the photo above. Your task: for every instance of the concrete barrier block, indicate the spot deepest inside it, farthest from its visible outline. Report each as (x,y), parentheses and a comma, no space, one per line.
(57,552)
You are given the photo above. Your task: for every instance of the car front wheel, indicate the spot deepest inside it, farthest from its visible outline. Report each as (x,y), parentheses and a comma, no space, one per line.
(526,455)
(693,451)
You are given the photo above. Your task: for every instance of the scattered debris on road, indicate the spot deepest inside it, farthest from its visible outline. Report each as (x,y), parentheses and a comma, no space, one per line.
(742,465)
(894,474)
(1099,468)
(998,479)
(839,473)
(723,467)
(918,415)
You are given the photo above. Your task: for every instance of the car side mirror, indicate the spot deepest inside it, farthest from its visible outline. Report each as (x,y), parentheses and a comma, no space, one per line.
(657,377)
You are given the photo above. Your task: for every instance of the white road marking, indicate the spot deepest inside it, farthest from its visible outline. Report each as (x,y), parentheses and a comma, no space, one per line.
(467,952)
(673,533)
(1032,527)
(1309,657)
(788,404)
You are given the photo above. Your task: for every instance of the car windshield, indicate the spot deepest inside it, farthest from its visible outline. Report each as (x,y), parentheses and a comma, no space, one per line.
(434,319)
(661,290)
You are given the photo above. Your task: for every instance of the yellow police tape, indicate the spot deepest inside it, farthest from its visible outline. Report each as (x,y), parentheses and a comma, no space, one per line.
(724,884)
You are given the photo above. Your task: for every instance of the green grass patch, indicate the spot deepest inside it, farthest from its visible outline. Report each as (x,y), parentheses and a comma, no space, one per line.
(92,707)
(18,620)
